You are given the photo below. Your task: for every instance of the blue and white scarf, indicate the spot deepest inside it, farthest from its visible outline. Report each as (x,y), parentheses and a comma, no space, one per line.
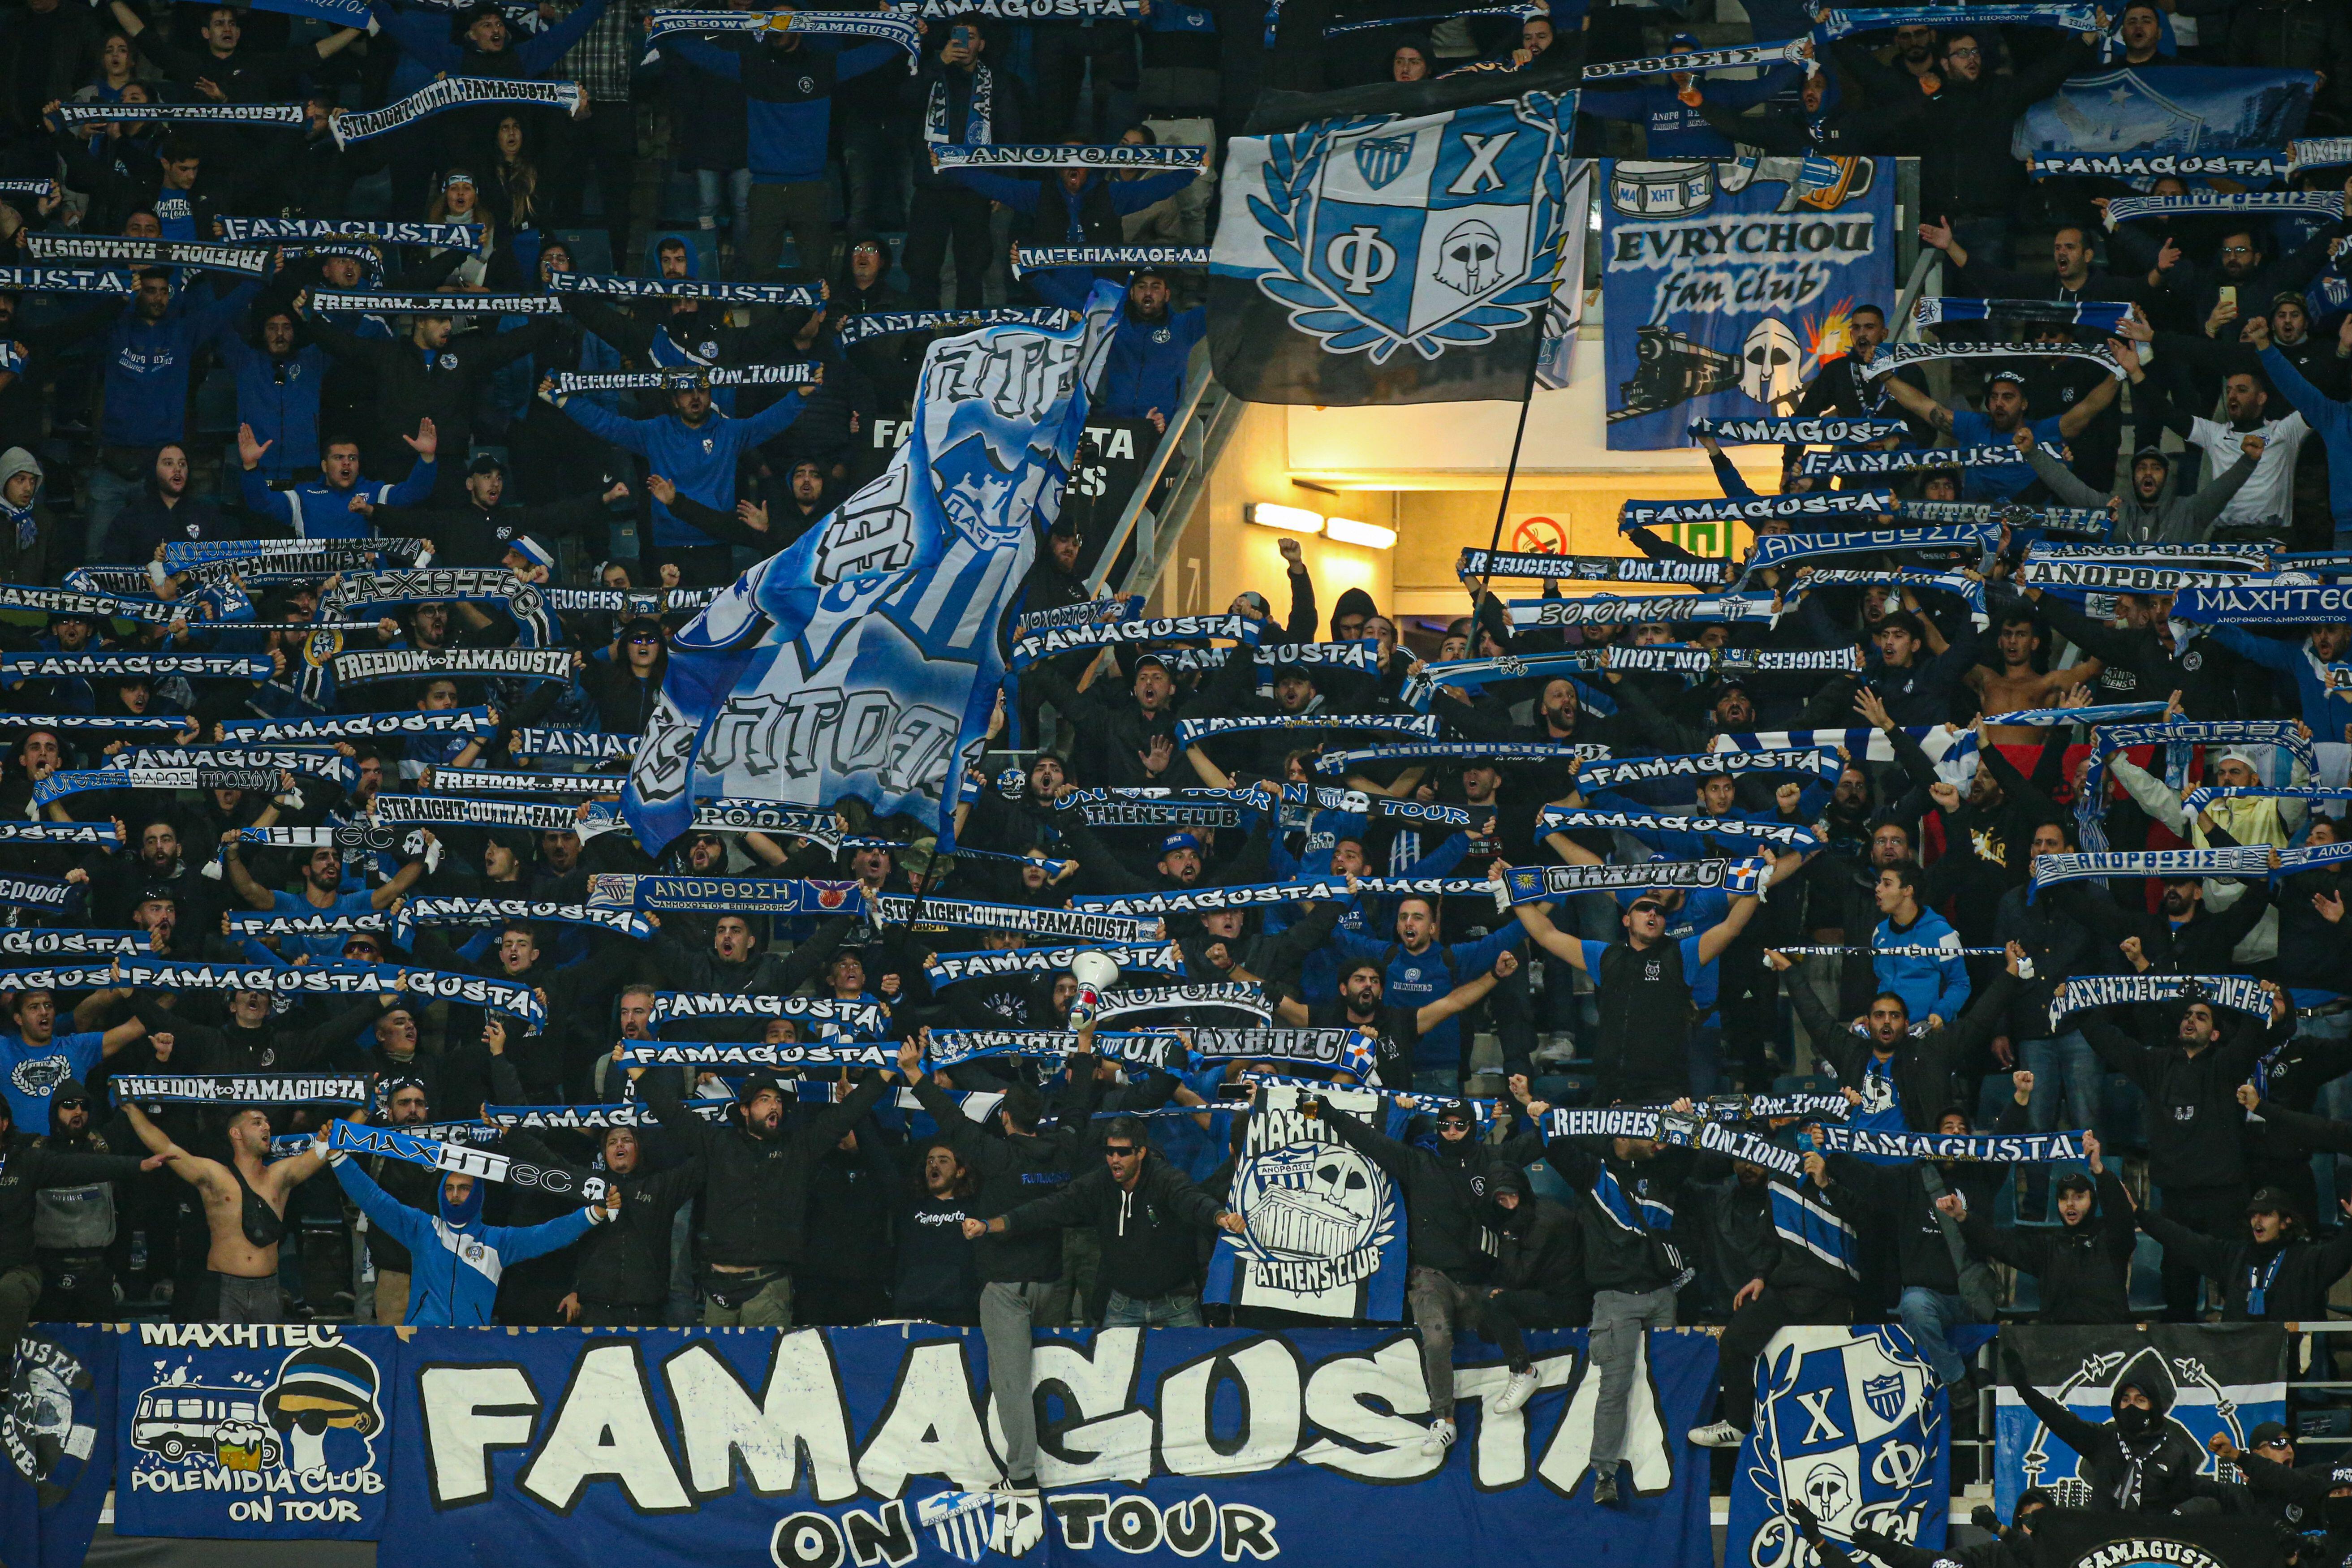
(2080,521)
(2324,204)
(1577,819)
(1636,514)
(882,27)
(1419,726)
(2250,167)
(1533,751)
(978,112)
(2318,152)
(1780,549)
(51,893)
(1081,924)
(1900,356)
(1986,1148)
(1055,640)
(622,287)
(1908,460)
(950,968)
(1478,563)
(1614,610)
(241,1088)
(2254,604)
(1954,753)
(1970,591)
(2104,315)
(2241,993)
(1043,258)
(1339,29)
(1810,1225)
(1790,51)
(1821,764)
(98,833)
(1840,23)
(2098,713)
(883,323)
(450,92)
(2171,864)
(2179,737)
(1826,431)
(1541,884)
(742,1054)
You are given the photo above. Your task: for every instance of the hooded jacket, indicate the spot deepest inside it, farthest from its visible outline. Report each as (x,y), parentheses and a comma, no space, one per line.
(1539,1256)
(1445,1187)
(755,1188)
(2145,1463)
(2171,518)
(1146,1231)
(29,1164)
(1625,1211)
(454,1259)
(2085,1269)
(2195,1136)
(79,1218)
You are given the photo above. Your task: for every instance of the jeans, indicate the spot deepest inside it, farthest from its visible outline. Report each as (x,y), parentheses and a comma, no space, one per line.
(1437,1303)
(795,205)
(2065,1068)
(1009,1311)
(1619,1321)
(1177,1310)
(1927,1316)
(109,492)
(736,184)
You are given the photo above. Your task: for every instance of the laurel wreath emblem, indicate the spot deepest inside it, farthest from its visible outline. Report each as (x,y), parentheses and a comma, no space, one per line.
(1292,165)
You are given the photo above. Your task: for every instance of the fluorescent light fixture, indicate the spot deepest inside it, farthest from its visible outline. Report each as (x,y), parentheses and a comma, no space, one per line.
(1296,519)
(1370,535)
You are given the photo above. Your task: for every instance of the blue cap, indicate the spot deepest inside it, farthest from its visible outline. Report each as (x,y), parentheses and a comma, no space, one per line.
(1176,841)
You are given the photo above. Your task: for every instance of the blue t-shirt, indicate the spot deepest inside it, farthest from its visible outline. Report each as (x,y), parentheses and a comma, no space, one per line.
(34,1072)
(1973,429)
(327,949)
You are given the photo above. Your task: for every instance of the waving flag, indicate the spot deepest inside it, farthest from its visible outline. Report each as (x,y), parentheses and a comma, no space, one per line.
(2182,109)
(865,659)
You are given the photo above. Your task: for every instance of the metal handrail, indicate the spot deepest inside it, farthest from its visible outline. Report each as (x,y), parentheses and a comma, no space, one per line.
(1197,382)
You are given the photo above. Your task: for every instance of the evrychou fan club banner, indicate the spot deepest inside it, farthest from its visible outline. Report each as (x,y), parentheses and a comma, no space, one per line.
(1850,1422)
(1391,257)
(1726,285)
(865,659)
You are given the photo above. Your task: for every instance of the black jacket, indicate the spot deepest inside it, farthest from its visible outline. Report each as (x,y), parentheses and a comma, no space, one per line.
(2085,1269)
(2153,1473)
(2195,1125)
(1146,1232)
(411,386)
(1923,1064)
(1618,1256)
(627,1262)
(29,1163)
(1013,1172)
(1444,1194)
(755,1190)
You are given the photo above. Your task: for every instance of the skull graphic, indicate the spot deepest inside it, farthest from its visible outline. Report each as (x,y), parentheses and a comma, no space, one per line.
(1769,364)
(1470,261)
(1827,1493)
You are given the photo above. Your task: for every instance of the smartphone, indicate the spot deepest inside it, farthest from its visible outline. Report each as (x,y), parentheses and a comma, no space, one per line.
(2229,295)
(960,36)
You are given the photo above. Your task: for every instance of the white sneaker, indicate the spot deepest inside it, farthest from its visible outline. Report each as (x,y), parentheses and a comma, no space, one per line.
(1517,1392)
(1722,1435)
(1439,1437)
(1012,1488)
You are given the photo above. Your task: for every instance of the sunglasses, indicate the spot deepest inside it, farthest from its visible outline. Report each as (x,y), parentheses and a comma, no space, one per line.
(1645,907)
(1118,1150)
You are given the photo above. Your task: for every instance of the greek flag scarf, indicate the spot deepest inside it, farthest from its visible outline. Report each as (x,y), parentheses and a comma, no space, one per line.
(1968,590)
(242,1088)
(624,287)
(2281,605)
(1576,819)
(1951,753)
(1792,51)
(42,943)
(1537,884)
(66,280)
(1052,640)
(1817,432)
(2324,204)
(881,26)
(334,303)
(2106,315)
(1054,155)
(1613,610)
(1043,258)
(883,323)
(736,1054)
(1780,549)
(1897,356)
(451,92)
(1983,1148)
(2096,713)
(1636,514)
(2171,864)
(100,832)
(362,726)
(950,968)
(244,260)
(1422,727)
(2318,152)
(1907,459)
(1536,752)
(979,111)
(1840,23)
(1480,564)
(291,116)
(2250,168)
(2240,993)
(462,1158)
(1821,763)
(1810,1225)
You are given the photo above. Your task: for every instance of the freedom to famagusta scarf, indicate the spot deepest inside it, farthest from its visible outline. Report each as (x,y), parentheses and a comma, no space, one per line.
(864,660)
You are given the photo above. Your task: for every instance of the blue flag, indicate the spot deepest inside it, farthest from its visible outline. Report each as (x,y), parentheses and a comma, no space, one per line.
(2182,109)
(1727,285)
(54,1429)
(864,661)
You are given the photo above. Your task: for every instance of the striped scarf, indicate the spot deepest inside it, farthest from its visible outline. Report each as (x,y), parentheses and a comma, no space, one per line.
(1811,1226)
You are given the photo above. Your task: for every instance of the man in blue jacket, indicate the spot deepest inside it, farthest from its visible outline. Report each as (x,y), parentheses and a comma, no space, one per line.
(456,1260)
(1074,206)
(1150,348)
(323,508)
(1415,970)
(1934,986)
(2324,415)
(696,448)
(278,380)
(788,98)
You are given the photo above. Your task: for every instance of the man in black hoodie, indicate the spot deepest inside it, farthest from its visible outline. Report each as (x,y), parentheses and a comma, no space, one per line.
(2084,1264)
(620,1272)
(1017,1292)
(27,1164)
(1449,1251)
(754,1191)
(2280,1274)
(2139,1462)
(73,1226)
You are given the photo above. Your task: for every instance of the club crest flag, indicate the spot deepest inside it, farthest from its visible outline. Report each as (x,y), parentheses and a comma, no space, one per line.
(1725,286)
(1392,257)
(1324,1225)
(865,659)
(1851,1422)
(2206,1379)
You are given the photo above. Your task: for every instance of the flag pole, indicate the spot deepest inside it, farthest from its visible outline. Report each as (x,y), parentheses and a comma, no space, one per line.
(1519,436)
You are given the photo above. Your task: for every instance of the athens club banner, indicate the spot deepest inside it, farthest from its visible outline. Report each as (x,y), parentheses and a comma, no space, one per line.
(2205,1378)
(1325,1224)
(670,1449)
(1725,285)
(1851,1422)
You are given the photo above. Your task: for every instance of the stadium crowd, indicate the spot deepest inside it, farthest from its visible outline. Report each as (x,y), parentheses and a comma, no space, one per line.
(1084,1186)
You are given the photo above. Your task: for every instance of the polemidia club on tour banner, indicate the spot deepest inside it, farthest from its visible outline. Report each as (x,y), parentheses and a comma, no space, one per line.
(1725,285)
(821,1447)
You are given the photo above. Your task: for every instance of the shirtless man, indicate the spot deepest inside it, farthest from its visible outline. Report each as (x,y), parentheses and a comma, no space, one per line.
(244,1207)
